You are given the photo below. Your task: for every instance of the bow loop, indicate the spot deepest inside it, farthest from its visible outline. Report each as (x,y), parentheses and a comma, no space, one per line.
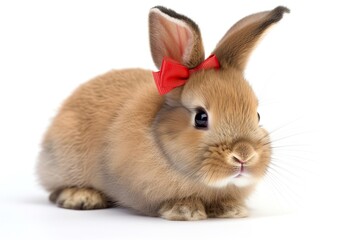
(173,74)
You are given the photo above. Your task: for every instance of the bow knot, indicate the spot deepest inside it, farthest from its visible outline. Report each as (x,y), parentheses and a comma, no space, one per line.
(173,74)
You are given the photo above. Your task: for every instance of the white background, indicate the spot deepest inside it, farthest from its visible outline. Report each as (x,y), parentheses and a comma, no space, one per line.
(305,73)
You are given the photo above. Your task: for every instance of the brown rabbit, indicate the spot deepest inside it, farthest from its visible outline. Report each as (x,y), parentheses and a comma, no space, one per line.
(195,152)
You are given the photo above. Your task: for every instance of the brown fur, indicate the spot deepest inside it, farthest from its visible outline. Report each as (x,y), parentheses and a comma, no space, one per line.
(118,139)
(235,48)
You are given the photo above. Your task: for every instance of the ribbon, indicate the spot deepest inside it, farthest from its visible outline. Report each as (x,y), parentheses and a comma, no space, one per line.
(173,74)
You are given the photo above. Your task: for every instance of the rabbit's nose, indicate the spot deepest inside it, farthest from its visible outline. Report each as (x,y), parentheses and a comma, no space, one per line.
(241,160)
(238,159)
(243,152)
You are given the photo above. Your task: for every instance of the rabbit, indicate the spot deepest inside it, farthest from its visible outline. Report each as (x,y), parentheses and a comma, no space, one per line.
(189,151)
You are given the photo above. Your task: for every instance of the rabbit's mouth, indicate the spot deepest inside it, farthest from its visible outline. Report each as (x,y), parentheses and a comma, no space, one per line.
(241,177)
(242,172)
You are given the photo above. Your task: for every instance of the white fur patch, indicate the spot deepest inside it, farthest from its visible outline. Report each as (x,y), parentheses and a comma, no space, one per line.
(242,181)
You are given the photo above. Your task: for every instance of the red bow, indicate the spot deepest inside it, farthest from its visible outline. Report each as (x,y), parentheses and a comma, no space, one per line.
(172,74)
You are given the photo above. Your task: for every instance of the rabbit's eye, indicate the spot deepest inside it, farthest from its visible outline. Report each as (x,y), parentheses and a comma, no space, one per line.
(258,117)
(201,119)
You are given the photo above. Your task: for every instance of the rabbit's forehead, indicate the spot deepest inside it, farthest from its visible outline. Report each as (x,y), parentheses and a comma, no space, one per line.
(224,93)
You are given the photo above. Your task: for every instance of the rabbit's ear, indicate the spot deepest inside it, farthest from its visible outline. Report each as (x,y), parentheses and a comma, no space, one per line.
(235,47)
(175,36)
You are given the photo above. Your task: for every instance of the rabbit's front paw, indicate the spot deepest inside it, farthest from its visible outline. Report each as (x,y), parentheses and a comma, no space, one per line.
(227,209)
(79,198)
(183,210)
(234,212)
